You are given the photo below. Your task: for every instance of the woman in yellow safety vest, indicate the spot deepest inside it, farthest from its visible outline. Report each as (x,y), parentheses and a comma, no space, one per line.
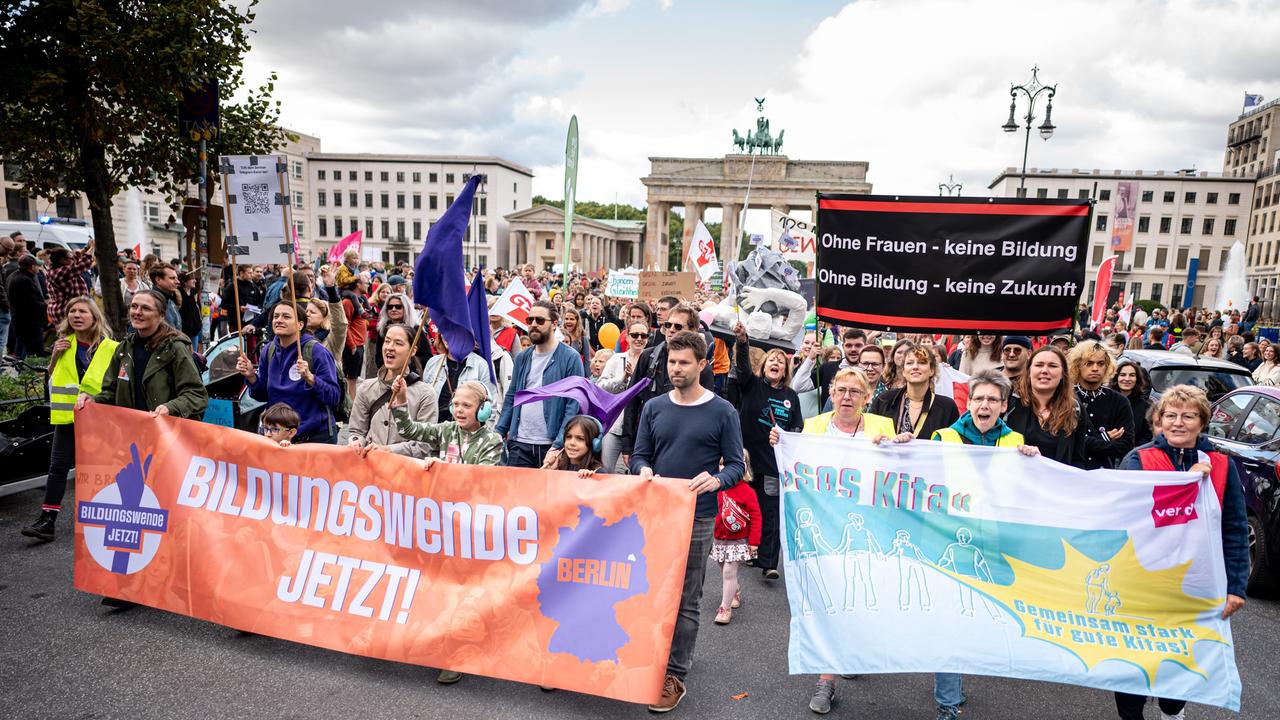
(77,365)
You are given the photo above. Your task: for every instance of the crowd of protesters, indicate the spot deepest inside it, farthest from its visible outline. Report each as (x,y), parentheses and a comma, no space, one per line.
(342,353)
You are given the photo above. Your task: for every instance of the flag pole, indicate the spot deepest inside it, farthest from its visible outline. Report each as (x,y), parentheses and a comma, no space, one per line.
(235,273)
(288,239)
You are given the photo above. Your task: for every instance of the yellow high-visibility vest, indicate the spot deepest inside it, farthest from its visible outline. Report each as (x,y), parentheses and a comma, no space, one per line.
(65,384)
(1010,439)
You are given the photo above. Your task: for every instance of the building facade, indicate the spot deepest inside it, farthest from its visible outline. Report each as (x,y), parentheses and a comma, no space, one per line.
(536,235)
(394,199)
(1180,216)
(1253,151)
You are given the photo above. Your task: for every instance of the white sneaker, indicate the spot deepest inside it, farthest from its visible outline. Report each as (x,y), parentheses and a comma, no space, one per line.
(1182,715)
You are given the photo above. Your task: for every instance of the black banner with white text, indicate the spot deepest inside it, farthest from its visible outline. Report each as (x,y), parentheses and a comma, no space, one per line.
(934,264)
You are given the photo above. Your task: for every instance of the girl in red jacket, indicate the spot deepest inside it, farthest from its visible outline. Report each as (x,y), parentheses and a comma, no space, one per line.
(737,537)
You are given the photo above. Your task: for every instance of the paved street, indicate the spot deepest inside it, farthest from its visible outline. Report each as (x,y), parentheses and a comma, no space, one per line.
(66,656)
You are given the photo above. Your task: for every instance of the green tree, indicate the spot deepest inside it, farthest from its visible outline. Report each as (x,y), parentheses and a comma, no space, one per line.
(595,210)
(90,96)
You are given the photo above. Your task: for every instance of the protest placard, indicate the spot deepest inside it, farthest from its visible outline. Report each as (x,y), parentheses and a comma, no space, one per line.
(623,284)
(654,285)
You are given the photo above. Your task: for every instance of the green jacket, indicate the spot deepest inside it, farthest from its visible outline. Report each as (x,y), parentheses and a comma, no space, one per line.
(482,447)
(171,378)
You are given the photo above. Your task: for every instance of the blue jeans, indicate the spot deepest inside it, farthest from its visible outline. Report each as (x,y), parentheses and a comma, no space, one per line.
(685,635)
(947,691)
(525,455)
(4,330)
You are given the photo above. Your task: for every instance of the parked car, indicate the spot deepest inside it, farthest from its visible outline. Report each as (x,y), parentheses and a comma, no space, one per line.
(1245,424)
(1166,369)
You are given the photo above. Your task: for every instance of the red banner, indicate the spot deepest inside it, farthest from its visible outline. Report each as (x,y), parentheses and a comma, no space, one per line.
(527,575)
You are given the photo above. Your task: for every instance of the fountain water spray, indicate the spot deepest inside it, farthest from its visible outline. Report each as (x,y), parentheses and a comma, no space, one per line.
(1233,291)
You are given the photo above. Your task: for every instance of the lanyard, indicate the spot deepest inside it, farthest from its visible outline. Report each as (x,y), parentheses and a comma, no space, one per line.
(904,421)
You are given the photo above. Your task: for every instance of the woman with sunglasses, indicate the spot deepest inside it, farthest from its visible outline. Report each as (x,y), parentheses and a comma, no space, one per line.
(397,309)
(615,378)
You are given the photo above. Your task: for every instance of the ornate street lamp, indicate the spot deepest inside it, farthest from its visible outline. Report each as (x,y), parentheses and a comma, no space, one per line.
(1031,90)
(949,186)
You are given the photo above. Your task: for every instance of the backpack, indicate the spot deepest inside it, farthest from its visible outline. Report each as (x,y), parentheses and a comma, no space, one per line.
(732,516)
(342,411)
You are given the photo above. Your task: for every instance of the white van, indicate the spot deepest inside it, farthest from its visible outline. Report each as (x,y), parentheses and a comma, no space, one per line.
(40,236)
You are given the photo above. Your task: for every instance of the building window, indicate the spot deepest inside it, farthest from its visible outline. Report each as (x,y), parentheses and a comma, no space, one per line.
(351,175)
(383,176)
(324,226)
(1162,258)
(1135,291)
(1184,227)
(1168,196)
(1165,225)
(386,228)
(482,233)
(386,200)
(1146,195)
(1211,198)
(400,230)
(1233,198)
(368,228)
(355,199)
(319,174)
(1156,289)
(1206,227)
(399,177)
(1042,192)
(1182,260)
(400,201)
(297,228)
(1222,261)
(515,188)
(1020,192)
(551,243)
(368,176)
(150,210)
(368,199)
(513,204)
(1100,223)
(1104,195)
(1204,258)
(297,170)
(1229,227)
(1083,194)
(355,223)
(448,200)
(417,201)
(1189,197)
(297,198)
(1139,257)
(448,178)
(433,177)
(417,177)
(1144,223)
(337,198)
(433,202)
(337,227)
(1177,296)
(1063,193)
(321,199)
(417,229)
(484,206)
(1096,258)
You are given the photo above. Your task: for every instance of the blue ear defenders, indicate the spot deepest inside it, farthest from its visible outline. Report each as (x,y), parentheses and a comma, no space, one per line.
(485,412)
(597,443)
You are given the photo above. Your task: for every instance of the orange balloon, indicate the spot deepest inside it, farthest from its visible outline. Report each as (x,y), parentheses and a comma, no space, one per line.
(608,335)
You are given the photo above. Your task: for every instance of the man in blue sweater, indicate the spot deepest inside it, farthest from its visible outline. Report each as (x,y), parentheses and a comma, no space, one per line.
(533,429)
(686,433)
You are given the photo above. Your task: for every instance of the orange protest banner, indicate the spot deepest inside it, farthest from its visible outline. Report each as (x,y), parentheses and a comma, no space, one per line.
(527,575)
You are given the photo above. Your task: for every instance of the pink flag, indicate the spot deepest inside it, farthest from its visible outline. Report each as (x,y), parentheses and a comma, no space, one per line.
(350,242)
(1101,288)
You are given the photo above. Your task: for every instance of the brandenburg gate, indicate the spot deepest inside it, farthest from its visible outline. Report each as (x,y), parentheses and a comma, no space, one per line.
(777,182)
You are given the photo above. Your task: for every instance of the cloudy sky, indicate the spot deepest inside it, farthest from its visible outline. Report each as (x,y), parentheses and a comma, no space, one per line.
(919,88)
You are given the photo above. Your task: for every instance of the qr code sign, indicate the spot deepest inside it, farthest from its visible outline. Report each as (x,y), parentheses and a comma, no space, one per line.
(256,198)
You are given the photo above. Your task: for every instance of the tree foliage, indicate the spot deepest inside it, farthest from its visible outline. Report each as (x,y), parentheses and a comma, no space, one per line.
(91,91)
(595,210)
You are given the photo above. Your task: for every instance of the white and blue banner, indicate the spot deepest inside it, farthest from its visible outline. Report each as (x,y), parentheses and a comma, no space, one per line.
(932,557)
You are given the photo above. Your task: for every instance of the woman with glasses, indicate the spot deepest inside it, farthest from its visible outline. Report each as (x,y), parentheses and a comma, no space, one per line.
(1181,417)
(397,309)
(1044,408)
(915,409)
(615,378)
(766,401)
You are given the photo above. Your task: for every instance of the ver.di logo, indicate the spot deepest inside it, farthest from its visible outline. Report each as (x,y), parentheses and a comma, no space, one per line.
(123,523)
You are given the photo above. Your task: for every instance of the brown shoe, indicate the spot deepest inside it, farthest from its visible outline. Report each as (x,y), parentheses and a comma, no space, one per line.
(672,693)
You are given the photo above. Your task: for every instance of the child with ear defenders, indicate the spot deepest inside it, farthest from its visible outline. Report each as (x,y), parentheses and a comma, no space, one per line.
(464,439)
(582,437)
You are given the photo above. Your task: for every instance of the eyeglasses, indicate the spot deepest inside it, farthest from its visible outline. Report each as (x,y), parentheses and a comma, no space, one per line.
(534,320)
(1186,417)
(672,326)
(271,429)
(638,336)
(1013,350)
(843,391)
(870,365)
(395,307)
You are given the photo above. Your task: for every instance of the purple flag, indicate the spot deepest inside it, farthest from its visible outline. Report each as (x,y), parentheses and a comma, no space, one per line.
(478,308)
(592,400)
(438,282)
